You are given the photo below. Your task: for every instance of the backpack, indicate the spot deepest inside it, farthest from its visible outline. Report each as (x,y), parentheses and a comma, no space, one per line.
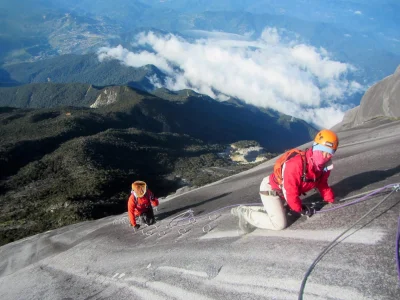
(285,157)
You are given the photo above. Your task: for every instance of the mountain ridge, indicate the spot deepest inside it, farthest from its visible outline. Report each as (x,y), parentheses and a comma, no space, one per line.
(379,101)
(170,108)
(81,69)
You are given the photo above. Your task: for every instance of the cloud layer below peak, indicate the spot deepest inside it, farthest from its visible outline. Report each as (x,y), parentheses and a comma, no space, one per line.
(288,76)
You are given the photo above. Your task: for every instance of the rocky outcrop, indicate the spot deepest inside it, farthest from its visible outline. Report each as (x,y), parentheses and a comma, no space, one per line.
(380,100)
(107,97)
(247,155)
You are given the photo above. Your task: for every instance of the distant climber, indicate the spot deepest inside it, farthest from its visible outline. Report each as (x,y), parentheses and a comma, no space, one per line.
(295,172)
(140,204)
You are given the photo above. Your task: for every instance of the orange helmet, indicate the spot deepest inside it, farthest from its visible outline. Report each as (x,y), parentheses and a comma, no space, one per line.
(326,140)
(140,188)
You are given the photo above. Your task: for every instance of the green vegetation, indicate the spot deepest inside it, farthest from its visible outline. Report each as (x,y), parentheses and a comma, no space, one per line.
(65,180)
(65,164)
(42,95)
(206,168)
(83,69)
(184,112)
(246,144)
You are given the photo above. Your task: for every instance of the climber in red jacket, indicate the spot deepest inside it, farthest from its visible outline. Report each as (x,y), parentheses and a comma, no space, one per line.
(297,174)
(140,204)
(316,177)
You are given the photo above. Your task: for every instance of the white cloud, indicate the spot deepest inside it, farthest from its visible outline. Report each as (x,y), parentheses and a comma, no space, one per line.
(358,12)
(355,87)
(218,35)
(291,77)
(155,81)
(270,36)
(394,40)
(134,59)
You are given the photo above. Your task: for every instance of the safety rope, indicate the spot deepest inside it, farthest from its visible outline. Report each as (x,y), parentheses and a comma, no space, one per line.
(333,243)
(369,194)
(187,218)
(397,250)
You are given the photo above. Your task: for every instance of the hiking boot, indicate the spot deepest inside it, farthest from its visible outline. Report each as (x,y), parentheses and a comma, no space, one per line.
(235,210)
(240,211)
(244,225)
(147,220)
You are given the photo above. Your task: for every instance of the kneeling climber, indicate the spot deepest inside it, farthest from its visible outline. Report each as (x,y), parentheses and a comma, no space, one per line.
(140,204)
(295,172)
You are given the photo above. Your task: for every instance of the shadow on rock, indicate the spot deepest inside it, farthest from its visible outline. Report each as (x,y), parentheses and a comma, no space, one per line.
(357,182)
(166,214)
(352,184)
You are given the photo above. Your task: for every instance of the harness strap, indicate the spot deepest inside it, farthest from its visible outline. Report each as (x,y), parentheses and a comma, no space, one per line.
(304,176)
(270,193)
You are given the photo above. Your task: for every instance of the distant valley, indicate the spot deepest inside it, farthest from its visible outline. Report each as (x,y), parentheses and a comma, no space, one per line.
(64,162)
(47,30)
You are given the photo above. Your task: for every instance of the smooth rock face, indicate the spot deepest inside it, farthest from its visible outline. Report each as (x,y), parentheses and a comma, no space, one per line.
(380,100)
(196,249)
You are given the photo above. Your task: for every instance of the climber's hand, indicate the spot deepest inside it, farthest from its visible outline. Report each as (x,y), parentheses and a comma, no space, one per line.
(307,211)
(332,201)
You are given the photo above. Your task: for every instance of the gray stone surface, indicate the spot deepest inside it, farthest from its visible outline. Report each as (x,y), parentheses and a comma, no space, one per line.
(205,256)
(382,100)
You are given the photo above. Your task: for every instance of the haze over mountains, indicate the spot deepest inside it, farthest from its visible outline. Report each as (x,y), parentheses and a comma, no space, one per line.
(359,40)
(74,68)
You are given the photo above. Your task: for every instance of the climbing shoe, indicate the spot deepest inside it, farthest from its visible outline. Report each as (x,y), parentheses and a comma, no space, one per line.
(239,212)
(235,210)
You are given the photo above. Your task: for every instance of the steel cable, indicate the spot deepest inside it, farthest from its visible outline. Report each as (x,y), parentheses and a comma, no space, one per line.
(333,243)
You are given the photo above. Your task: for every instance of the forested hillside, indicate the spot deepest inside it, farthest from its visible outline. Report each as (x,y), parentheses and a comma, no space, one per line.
(80,69)
(60,164)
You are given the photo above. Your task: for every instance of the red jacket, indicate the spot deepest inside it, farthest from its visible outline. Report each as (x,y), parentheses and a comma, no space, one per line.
(293,185)
(138,205)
